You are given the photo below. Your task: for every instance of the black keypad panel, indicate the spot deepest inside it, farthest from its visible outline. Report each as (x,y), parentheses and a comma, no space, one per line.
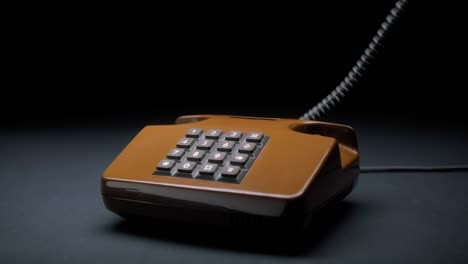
(212,155)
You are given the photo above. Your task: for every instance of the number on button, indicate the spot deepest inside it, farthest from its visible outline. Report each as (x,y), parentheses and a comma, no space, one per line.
(230,171)
(165,165)
(213,133)
(196,155)
(208,169)
(234,135)
(239,159)
(185,143)
(225,146)
(205,144)
(193,132)
(247,147)
(186,167)
(217,157)
(254,136)
(175,153)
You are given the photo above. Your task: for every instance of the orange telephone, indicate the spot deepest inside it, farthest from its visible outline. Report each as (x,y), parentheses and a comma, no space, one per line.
(225,170)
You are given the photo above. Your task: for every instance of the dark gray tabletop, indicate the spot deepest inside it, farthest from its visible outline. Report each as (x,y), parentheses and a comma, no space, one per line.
(51,209)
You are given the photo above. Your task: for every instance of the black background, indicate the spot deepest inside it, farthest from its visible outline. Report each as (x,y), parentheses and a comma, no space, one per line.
(249,61)
(80,83)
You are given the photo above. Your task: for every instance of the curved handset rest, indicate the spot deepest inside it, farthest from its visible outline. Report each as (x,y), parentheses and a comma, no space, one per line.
(345,135)
(191,118)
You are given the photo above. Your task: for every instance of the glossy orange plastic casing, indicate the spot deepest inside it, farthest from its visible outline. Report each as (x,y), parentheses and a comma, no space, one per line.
(304,166)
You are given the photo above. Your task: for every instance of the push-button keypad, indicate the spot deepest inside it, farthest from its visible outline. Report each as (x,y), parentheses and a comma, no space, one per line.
(213,154)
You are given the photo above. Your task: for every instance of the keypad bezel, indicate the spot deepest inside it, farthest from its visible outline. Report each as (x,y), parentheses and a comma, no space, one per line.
(217,176)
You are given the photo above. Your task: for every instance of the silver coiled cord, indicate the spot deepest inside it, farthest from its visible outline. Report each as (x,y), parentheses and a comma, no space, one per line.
(359,68)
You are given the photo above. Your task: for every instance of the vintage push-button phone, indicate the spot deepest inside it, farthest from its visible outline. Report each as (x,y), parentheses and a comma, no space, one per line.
(228,169)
